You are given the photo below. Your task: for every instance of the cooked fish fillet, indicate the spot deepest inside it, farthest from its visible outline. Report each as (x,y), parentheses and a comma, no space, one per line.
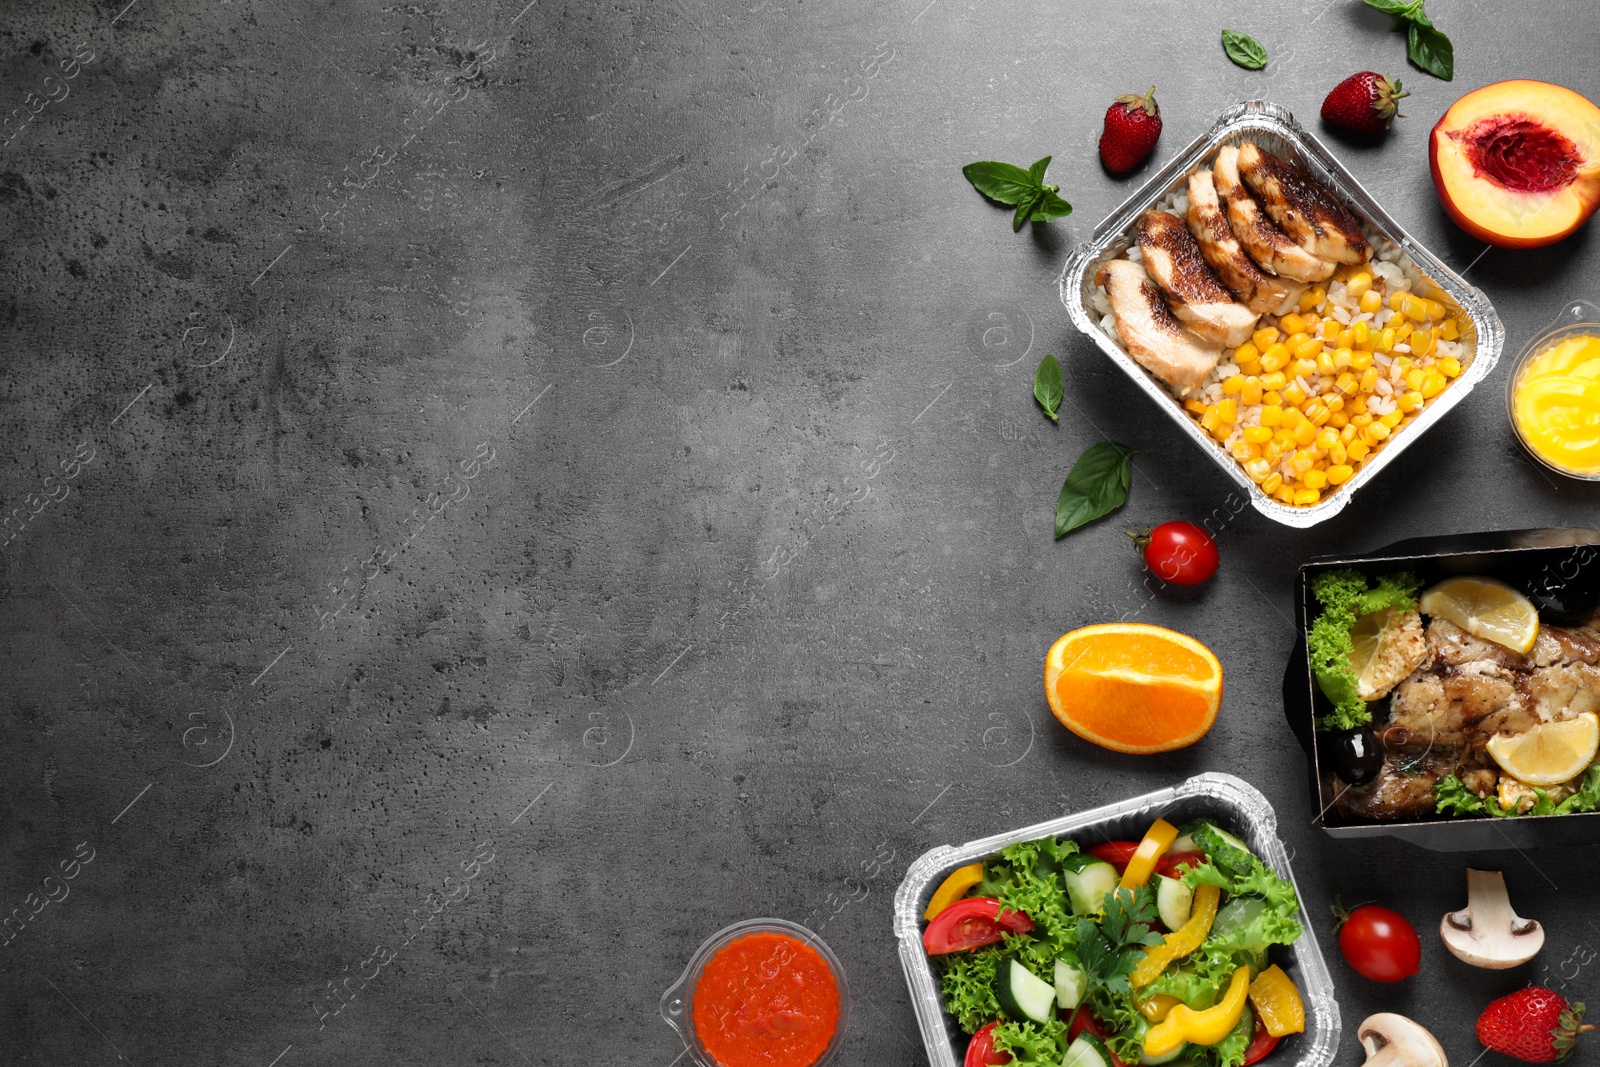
(1150,333)
(1172,259)
(1269,246)
(1307,212)
(1251,286)
(1402,648)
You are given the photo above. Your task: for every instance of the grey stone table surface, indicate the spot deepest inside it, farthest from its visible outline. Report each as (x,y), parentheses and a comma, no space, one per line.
(584,451)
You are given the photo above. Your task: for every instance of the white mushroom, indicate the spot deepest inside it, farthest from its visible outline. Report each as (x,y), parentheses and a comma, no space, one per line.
(1487,933)
(1395,1041)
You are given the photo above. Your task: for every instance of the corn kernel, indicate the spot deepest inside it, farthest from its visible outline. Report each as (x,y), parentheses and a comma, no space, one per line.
(1422,342)
(1432,384)
(1342,358)
(1450,366)
(1195,405)
(1302,368)
(1258,469)
(1314,479)
(1246,352)
(1449,330)
(1271,415)
(1413,378)
(1251,392)
(1376,432)
(1232,384)
(1250,366)
(1302,461)
(1393,419)
(1221,431)
(1272,382)
(1258,435)
(1208,421)
(1308,300)
(1265,337)
(1271,396)
(1330,329)
(1294,395)
(1409,402)
(1346,383)
(1326,364)
(1343,339)
(1227,411)
(1369,379)
(1305,434)
(1436,310)
(1307,497)
(1357,406)
(1292,323)
(1276,357)
(1358,285)
(1402,330)
(1273,451)
(1397,300)
(1326,439)
(1317,294)
(1317,413)
(1307,348)
(1361,421)
(1337,453)
(1285,494)
(1416,310)
(1371,301)
(1340,473)
(1358,449)
(1272,482)
(1360,334)
(1244,451)
(1360,359)
(1338,420)
(1386,339)
(1347,433)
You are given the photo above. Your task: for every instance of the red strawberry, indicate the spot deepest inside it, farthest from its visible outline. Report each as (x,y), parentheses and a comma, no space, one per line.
(1132,125)
(1534,1024)
(1363,104)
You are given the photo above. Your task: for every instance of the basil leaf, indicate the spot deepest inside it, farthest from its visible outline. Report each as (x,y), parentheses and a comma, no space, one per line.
(1024,209)
(1244,49)
(1431,50)
(1005,183)
(1036,172)
(1051,206)
(1403,8)
(1097,486)
(1048,388)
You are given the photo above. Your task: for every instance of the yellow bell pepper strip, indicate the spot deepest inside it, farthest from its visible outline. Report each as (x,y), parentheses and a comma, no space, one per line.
(1206,1027)
(1277,1002)
(1156,1008)
(1182,941)
(1142,864)
(953,888)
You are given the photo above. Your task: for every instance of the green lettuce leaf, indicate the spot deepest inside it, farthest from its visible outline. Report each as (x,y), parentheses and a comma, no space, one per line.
(967,983)
(1453,798)
(1033,1043)
(1344,597)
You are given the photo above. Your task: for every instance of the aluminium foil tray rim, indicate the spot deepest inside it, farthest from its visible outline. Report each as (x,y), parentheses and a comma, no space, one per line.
(1114,235)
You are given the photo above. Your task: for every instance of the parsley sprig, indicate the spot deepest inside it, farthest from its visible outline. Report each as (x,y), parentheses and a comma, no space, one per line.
(1109,949)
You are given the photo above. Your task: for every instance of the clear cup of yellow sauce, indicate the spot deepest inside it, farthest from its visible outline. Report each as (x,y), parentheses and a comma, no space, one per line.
(1554,393)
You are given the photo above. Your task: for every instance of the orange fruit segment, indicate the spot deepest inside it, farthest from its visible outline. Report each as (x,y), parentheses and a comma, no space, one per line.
(1133,687)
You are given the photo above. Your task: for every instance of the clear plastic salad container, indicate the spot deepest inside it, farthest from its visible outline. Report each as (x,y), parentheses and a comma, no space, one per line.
(1233,803)
(677,1003)
(1578,319)
(1276,131)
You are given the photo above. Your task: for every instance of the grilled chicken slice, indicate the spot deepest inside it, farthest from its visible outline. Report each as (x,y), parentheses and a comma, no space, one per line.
(1172,258)
(1251,286)
(1305,211)
(1150,333)
(1267,244)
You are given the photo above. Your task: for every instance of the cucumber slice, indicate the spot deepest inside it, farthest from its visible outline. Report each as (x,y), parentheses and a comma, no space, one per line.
(1184,843)
(1086,1050)
(1088,885)
(1230,839)
(1224,850)
(1174,901)
(1023,995)
(1071,984)
(1150,1061)
(1237,914)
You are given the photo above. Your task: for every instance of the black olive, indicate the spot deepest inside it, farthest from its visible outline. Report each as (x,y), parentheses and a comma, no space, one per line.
(1567,592)
(1355,755)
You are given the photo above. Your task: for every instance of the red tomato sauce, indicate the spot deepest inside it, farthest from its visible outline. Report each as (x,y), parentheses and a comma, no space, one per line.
(766,1000)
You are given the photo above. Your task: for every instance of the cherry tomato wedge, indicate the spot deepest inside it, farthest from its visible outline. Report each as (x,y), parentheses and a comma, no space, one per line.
(981,1051)
(1174,863)
(972,923)
(1380,944)
(1084,1021)
(1262,1044)
(1116,853)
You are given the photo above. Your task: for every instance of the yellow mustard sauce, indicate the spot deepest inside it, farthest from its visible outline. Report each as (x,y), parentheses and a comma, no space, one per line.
(1556,404)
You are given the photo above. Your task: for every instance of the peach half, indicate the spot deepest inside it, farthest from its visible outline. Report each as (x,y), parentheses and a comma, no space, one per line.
(1517,163)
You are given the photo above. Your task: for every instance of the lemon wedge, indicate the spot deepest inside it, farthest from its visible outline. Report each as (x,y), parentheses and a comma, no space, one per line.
(1550,753)
(1485,608)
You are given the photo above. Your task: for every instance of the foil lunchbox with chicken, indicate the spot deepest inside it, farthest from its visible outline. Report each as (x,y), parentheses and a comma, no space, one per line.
(1258,294)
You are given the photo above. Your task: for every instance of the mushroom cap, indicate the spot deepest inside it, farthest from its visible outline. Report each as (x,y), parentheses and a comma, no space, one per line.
(1487,933)
(1395,1041)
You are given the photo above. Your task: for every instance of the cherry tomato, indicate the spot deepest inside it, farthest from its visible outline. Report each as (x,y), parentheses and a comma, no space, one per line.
(972,923)
(1379,943)
(1178,552)
(1262,1044)
(981,1051)
(1116,853)
(1082,1021)
(1174,863)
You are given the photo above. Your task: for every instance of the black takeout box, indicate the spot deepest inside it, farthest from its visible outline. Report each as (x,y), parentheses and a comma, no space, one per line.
(1517,557)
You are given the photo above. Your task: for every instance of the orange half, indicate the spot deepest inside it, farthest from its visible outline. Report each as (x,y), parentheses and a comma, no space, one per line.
(1133,687)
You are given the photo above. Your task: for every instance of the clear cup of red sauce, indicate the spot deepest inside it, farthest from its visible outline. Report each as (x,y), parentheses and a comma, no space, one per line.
(760,993)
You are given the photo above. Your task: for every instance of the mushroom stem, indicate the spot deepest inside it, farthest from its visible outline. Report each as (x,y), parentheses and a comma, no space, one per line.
(1487,932)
